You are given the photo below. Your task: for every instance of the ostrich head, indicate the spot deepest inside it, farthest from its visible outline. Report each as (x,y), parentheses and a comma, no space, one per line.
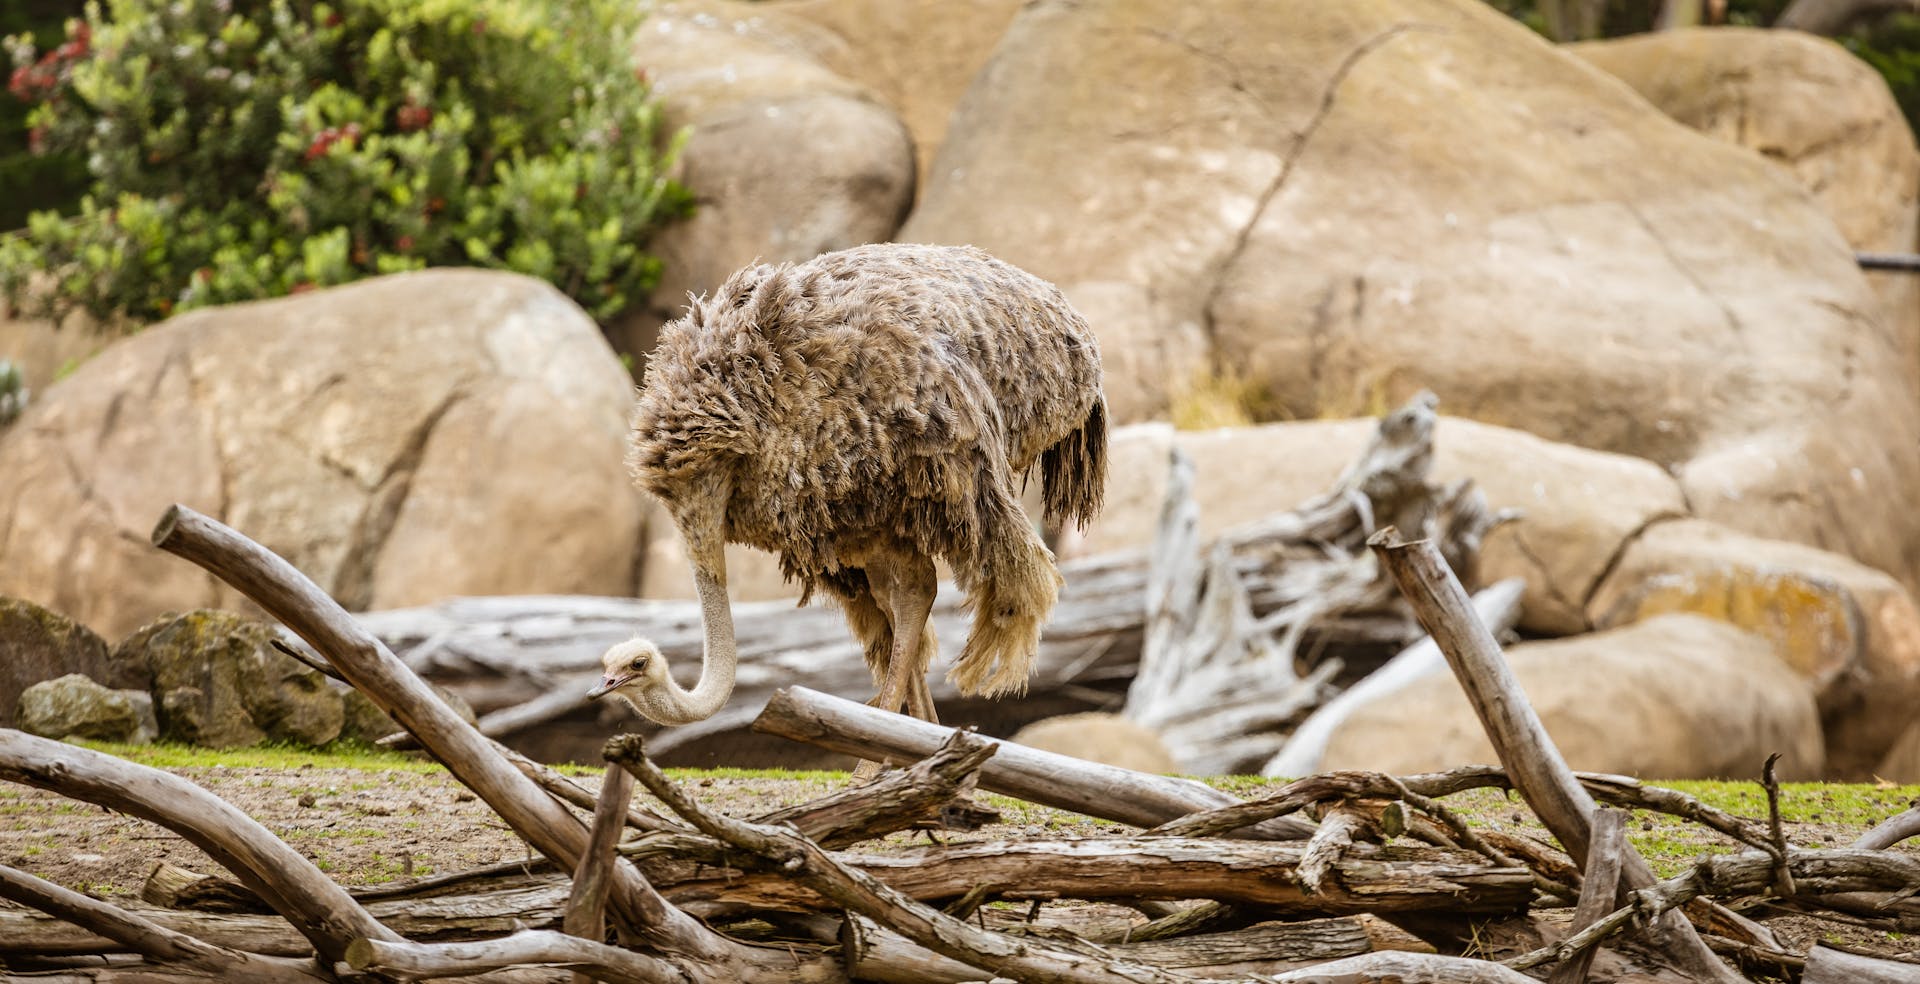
(632,670)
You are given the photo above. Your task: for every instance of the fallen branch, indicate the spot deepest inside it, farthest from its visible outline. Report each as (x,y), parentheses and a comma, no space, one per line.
(1520,741)
(1829,965)
(1597,892)
(586,903)
(875,953)
(1059,781)
(415,961)
(148,939)
(1891,831)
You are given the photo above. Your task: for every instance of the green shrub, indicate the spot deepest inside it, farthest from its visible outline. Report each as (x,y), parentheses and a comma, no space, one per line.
(250,148)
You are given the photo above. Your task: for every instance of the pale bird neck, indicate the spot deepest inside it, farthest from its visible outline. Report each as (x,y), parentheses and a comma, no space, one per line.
(671,703)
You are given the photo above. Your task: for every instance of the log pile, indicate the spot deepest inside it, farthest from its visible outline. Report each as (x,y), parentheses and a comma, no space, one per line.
(1332,878)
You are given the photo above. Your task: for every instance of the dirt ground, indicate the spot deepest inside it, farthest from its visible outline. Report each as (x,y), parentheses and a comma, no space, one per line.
(371,827)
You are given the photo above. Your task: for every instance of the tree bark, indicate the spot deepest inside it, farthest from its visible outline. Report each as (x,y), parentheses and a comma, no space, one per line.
(1123,869)
(1600,887)
(423,961)
(1405,968)
(875,953)
(1826,965)
(587,901)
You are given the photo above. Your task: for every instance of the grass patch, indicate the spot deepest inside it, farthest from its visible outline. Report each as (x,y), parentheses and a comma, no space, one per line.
(339,755)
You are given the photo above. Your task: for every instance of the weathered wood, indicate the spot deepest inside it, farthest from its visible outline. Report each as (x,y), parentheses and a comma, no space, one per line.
(1368,879)
(875,953)
(148,939)
(1340,829)
(471,757)
(1891,831)
(425,961)
(448,917)
(862,894)
(1404,968)
(1598,890)
(1520,741)
(320,909)
(1498,606)
(1213,682)
(897,800)
(587,901)
(1829,965)
(173,887)
(1059,781)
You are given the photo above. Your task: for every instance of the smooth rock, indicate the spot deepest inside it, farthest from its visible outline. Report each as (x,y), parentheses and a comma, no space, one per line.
(74,706)
(1852,631)
(399,440)
(1674,697)
(1097,736)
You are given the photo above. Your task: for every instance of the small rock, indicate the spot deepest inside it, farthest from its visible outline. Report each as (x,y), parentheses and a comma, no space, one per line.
(307,800)
(74,706)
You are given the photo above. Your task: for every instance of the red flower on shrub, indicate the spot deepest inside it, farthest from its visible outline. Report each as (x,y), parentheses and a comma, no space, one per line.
(325,139)
(410,118)
(404,244)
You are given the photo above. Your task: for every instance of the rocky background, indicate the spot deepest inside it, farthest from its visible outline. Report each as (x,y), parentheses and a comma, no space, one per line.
(1626,267)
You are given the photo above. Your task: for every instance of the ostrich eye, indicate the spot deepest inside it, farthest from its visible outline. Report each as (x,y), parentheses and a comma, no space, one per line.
(640,663)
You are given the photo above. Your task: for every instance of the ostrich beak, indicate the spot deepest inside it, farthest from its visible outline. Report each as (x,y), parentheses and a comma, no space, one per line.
(607,686)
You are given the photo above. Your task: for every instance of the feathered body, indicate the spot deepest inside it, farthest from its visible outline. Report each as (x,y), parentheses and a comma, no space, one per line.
(871,409)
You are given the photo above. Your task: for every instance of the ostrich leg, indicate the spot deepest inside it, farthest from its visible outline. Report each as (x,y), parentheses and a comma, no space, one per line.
(904,586)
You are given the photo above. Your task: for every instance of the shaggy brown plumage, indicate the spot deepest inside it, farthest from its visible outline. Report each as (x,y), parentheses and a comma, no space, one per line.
(867,411)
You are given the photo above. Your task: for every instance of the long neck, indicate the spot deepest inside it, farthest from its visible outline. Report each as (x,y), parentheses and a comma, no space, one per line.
(672,703)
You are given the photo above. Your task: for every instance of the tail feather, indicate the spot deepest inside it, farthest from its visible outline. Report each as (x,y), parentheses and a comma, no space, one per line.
(1073,472)
(1011,594)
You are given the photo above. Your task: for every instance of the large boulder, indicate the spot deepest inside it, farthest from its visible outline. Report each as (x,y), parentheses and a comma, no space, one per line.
(74,706)
(37,644)
(1851,631)
(887,46)
(1807,104)
(787,159)
(1385,195)
(400,440)
(1578,507)
(218,681)
(1675,697)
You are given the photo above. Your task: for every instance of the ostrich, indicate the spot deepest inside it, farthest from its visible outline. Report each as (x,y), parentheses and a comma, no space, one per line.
(861,414)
